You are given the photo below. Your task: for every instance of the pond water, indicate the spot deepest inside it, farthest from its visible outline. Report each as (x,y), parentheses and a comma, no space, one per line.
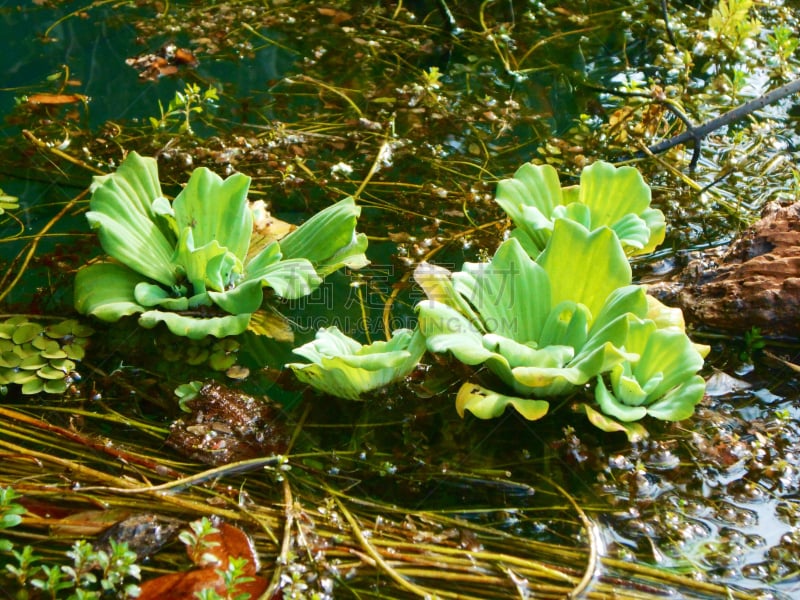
(419,118)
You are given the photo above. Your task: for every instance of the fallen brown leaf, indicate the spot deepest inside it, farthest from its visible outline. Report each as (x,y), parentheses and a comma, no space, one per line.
(52,99)
(229,542)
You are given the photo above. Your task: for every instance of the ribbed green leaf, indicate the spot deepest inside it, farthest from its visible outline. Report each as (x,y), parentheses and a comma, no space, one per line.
(328,239)
(634,431)
(106,291)
(488,404)
(606,196)
(196,328)
(342,367)
(125,223)
(216,210)
(511,292)
(584,267)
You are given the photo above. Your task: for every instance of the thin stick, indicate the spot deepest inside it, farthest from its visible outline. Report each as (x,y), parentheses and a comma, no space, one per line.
(60,153)
(286,544)
(179,484)
(698,133)
(376,556)
(35,244)
(90,443)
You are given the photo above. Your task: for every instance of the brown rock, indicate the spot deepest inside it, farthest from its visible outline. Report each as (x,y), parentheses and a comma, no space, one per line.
(226,426)
(756,283)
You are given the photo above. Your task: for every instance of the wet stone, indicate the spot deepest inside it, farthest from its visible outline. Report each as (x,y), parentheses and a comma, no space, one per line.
(756,283)
(226,426)
(144,533)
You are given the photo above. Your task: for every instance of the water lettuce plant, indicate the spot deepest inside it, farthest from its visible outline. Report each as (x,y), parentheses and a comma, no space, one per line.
(550,326)
(617,197)
(343,367)
(189,262)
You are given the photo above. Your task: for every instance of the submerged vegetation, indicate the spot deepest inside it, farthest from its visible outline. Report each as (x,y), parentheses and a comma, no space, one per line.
(419,118)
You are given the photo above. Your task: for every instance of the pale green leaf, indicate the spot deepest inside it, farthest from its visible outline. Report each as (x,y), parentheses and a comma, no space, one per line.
(344,368)
(437,284)
(290,278)
(529,199)
(612,192)
(121,212)
(613,407)
(216,211)
(488,404)
(679,403)
(511,292)
(634,431)
(197,260)
(328,239)
(447,330)
(584,267)
(196,328)
(150,295)
(106,291)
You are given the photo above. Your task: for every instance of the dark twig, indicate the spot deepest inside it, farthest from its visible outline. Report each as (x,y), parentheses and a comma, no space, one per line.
(696,134)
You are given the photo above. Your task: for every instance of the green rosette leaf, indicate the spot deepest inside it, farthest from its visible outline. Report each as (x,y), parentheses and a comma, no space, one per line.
(488,404)
(529,199)
(666,365)
(150,295)
(328,239)
(634,431)
(290,278)
(216,211)
(126,225)
(342,367)
(207,267)
(196,328)
(107,291)
(607,196)
(584,266)
(511,293)
(679,403)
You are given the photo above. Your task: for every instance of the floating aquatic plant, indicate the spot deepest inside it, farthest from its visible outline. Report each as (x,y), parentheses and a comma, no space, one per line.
(40,357)
(549,326)
(343,367)
(611,196)
(189,263)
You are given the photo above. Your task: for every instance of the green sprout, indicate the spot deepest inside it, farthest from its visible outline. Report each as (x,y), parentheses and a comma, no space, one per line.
(754,343)
(732,23)
(185,104)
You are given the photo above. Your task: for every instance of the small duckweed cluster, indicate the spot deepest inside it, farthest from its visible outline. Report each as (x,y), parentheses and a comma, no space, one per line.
(40,358)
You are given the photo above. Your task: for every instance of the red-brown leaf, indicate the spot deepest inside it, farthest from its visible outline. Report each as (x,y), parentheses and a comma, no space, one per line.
(184,586)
